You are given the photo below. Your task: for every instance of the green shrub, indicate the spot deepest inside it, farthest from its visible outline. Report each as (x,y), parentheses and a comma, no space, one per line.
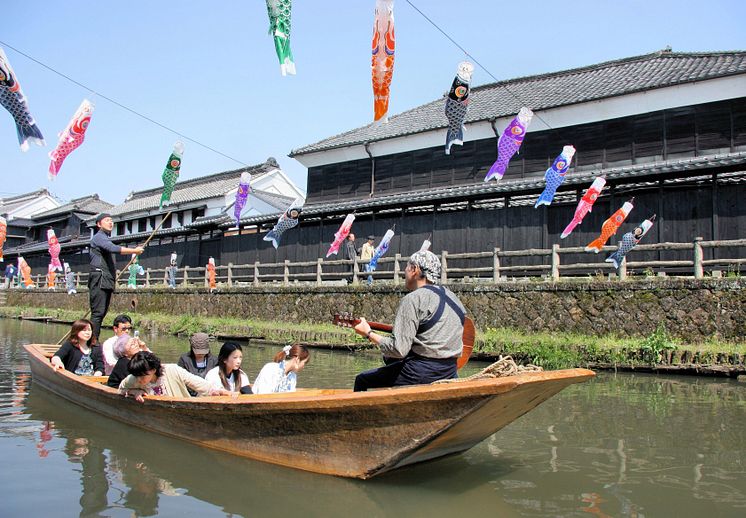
(653,347)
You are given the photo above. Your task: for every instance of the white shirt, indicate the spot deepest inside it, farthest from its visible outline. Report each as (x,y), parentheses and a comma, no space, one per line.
(213,378)
(272,378)
(107,348)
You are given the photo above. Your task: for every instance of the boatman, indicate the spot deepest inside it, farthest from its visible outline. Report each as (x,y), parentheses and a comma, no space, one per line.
(427,337)
(101,280)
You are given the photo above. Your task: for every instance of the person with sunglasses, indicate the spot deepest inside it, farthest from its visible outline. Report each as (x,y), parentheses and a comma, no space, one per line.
(122,325)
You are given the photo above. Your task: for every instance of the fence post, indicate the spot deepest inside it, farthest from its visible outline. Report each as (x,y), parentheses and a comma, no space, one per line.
(207,283)
(147,278)
(256,273)
(186,276)
(444,267)
(286,273)
(230,274)
(495,265)
(77,280)
(354,271)
(397,258)
(699,271)
(555,262)
(622,271)
(319,261)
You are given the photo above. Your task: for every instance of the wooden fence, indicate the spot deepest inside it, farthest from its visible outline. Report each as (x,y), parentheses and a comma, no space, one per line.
(492,266)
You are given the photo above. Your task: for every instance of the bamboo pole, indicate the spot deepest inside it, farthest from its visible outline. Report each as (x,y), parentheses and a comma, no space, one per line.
(116,280)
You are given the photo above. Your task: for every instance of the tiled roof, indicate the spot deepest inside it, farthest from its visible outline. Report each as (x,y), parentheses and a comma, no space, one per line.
(21,222)
(187,191)
(277,201)
(38,246)
(541,92)
(88,204)
(11,203)
(511,186)
(144,235)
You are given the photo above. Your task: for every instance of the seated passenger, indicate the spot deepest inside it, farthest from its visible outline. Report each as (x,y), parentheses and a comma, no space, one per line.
(148,377)
(79,353)
(281,374)
(124,349)
(122,325)
(228,373)
(198,360)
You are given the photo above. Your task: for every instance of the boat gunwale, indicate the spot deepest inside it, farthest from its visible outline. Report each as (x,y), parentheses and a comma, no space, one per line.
(347,398)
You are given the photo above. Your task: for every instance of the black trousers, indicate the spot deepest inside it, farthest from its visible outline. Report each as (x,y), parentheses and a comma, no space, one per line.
(412,370)
(100,300)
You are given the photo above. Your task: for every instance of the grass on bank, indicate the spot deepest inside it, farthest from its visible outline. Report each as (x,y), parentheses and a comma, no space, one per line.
(561,350)
(555,350)
(187,325)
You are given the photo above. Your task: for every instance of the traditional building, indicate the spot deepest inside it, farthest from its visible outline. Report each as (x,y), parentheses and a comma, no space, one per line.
(188,228)
(70,225)
(666,128)
(18,210)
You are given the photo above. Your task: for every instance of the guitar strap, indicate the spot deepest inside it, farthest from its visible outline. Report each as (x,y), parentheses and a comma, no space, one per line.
(444,299)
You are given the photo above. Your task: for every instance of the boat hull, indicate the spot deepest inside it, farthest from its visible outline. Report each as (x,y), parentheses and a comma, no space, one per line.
(335,432)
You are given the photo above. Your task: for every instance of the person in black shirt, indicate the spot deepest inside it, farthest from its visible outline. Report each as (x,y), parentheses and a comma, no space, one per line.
(124,348)
(101,281)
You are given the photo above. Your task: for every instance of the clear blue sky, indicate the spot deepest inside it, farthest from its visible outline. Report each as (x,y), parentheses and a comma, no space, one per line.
(209,70)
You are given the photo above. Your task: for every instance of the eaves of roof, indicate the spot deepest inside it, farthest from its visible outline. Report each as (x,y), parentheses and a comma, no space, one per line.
(509,186)
(541,92)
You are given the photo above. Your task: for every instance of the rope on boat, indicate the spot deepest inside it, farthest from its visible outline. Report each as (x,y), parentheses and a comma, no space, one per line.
(504,366)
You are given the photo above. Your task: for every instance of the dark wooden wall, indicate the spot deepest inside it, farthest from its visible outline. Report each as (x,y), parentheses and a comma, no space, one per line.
(710,128)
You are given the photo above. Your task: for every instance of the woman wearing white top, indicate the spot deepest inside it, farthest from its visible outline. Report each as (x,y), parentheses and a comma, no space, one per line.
(228,374)
(281,374)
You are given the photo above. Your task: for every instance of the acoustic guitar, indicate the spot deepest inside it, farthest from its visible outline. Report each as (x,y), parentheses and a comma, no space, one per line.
(467,338)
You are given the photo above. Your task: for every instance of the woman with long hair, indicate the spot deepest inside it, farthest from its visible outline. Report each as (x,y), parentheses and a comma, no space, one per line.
(228,373)
(281,375)
(80,354)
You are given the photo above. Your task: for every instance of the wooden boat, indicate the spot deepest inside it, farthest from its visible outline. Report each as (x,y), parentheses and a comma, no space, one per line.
(330,431)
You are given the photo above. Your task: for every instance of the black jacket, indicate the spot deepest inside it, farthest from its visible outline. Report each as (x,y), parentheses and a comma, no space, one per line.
(119,372)
(70,356)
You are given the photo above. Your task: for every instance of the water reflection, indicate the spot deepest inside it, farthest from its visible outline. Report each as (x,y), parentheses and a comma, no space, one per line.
(621,445)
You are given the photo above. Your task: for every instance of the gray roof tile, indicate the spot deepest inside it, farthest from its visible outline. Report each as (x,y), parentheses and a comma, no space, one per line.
(11,203)
(196,189)
(90,204)
(541,92)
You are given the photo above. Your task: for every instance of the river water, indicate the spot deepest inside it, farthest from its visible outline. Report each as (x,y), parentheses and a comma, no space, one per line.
(620,445)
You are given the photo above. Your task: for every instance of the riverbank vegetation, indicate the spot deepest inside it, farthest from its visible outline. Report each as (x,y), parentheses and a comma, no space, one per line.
(554,350)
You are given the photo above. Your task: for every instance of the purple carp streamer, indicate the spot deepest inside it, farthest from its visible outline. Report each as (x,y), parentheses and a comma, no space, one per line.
(242,195)
(509,143)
